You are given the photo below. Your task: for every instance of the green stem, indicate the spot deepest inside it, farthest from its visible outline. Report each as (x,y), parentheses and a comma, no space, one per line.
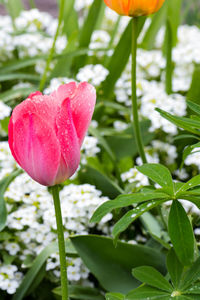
(136,124)
(61,243)
(50,57)
(169,64)
(32,3)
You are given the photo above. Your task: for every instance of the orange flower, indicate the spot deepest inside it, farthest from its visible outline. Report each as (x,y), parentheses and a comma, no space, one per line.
(134,8)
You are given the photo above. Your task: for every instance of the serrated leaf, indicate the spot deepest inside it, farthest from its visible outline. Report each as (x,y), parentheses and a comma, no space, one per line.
(181,233)
(159,174)
(152,277)
(123,201)
(132,215)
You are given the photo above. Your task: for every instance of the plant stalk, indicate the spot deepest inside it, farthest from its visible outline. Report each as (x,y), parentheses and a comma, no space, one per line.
(136,124)
(61,243)
(51,53)
(169,64)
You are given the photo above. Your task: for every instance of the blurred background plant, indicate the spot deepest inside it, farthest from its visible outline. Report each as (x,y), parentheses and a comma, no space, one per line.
(94,45)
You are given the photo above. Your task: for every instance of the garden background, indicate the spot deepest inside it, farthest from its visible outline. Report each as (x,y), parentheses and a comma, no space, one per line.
(147,227)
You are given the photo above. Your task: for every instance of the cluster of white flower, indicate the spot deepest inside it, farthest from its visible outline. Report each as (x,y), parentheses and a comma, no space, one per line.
(133,175)
(31,219)
(32,35)
(10,278)
(194,158)
(93,74)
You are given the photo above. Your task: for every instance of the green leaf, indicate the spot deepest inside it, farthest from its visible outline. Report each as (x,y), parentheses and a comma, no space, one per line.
(81,292)
(181,233)
(115,296)
(19,76)
(188,150)
(182,122)
(14,7)
(194,289)
(193,106)
(124,146)
(147,292)
(157,22)
(112,265)
(152,225)
(159,174)
(93,176)
(4,183)
(173,15)
(38,263)
(194,91)
(123,201)
(93,131)
(175,268)
(13,94)
(152,277)
(132,215)
(121,54)
(191,276)
(188,185)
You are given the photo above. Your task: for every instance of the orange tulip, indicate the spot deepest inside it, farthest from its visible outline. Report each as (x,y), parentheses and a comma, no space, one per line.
(134,8)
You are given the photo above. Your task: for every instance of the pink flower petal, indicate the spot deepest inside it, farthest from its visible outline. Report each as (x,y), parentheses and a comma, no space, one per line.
(82,105)
(36,148)
(67,136)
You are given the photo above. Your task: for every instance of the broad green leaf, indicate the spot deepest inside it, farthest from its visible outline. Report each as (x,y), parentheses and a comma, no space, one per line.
(123,201)
(152,277)
(70,19)
(175,268)
(188,185)
(159,174)
(191,276)
(182,122)
(93,176)
(181,233)
(112,265)
(81,292)
(115,296)
(38,263)
(132,215)
(147,292)
(19,76)
(194,106)
(121,54)
(4,183)
(194,91)
(93,131)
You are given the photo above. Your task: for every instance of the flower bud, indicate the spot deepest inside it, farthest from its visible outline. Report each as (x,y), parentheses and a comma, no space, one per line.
(134,8)
(46,132)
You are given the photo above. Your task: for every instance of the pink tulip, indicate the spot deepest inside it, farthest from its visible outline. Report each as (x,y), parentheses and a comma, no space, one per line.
(46,132)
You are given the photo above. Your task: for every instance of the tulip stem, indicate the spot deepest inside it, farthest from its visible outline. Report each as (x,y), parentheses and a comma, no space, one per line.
(136,124)
(52,50)
(61,243)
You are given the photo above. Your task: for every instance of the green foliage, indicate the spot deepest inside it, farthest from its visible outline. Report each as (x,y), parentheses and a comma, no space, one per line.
(181,233)
(81,293)
(112,265)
